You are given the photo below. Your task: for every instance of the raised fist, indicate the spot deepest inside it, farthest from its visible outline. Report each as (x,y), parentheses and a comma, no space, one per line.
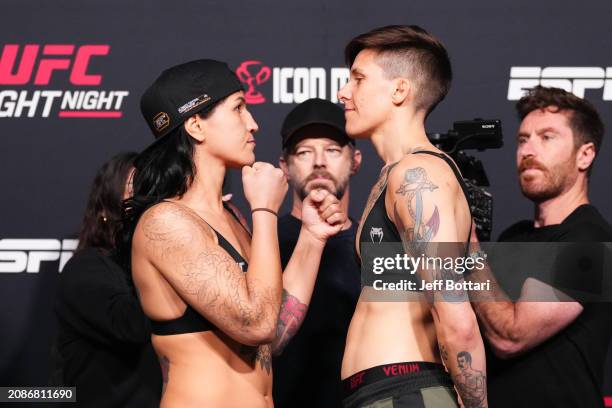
(322,215)
(264,185)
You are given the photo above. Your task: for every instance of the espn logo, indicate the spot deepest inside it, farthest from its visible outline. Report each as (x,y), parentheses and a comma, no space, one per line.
(26,255)
(572,79)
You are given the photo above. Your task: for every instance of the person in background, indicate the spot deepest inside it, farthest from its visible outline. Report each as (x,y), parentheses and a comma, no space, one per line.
(317,154)
(103,343)
(544,353)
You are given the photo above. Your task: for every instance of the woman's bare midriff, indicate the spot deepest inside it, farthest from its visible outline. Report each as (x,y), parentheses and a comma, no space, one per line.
(389,332)
(208,369)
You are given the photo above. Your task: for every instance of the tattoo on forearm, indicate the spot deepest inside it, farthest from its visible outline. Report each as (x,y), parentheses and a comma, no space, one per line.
(444,353)
(260,354)
(290,319)
(471,384)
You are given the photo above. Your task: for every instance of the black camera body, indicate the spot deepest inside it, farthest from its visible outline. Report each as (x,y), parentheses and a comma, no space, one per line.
(477,134)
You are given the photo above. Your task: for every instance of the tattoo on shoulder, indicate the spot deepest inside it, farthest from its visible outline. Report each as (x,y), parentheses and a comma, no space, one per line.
(162,232)
(415,183)
(380,185)
(290,319)
(470,383)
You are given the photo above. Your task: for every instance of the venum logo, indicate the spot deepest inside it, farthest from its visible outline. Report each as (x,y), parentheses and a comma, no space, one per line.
(376,234)
(572,79)
(41,65)
(26,255)
(291,84)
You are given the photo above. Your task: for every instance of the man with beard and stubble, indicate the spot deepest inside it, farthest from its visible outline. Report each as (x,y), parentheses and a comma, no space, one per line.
(551,354)
(317,154)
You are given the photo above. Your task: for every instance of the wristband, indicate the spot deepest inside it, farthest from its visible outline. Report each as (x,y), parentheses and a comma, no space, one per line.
(264,209)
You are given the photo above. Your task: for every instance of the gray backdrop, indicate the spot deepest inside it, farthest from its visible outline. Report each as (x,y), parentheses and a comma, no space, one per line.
(47,163)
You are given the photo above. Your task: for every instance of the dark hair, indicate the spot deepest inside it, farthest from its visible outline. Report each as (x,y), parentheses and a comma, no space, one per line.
(466,355)
(583,119)
(164,170)
(412,52)
(103,211)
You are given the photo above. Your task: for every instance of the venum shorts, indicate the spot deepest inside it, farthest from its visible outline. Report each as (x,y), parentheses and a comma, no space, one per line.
(400,385)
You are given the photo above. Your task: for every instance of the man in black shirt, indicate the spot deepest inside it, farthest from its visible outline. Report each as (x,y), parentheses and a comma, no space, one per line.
(551,354)
(317,154)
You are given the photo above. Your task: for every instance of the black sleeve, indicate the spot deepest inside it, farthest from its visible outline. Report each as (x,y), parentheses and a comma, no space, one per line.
(581,267)
(96,300)
(515,231)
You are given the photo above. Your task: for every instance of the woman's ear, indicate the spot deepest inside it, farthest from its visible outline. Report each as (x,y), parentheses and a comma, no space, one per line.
(194,125)
(401,91)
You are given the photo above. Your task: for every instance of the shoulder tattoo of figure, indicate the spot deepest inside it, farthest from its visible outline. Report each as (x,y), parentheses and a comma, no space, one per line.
(290,319)
(415,183)
(260,354)
(470,383)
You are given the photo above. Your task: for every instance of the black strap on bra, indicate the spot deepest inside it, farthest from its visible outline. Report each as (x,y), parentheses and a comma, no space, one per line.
(461,184)
(191,321)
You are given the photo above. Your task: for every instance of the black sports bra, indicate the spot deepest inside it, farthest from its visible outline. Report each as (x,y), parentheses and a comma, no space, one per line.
(191,321)
(377,227)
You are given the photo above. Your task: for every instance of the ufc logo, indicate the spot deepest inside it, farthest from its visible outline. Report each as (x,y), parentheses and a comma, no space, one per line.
(572,79)
(26,255)
(52,58)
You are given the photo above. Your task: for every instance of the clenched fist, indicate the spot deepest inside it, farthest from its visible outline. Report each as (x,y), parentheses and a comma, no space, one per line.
(322,215)
(264,185)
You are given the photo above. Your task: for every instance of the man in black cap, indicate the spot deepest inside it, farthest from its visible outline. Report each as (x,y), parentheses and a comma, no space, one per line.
(317,154)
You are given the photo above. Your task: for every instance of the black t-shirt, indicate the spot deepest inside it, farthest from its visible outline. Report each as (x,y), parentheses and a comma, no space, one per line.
(567,369)
(307,373)
(103,344)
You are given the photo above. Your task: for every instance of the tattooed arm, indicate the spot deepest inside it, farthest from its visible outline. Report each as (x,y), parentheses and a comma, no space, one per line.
(321,218)
(513,328)
(424,201)
(298,283)
(182,248)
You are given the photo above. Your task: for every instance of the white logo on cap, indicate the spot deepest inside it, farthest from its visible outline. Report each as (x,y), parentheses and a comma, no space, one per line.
(193,103)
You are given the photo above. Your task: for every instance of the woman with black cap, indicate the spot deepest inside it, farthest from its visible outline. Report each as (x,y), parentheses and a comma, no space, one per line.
(215,295)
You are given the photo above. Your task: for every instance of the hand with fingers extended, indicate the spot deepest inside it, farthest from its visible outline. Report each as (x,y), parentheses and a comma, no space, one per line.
(264,185)
(322,215)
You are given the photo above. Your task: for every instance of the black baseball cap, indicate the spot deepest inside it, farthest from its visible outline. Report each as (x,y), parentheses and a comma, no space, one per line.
(314,117)
(184,90)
